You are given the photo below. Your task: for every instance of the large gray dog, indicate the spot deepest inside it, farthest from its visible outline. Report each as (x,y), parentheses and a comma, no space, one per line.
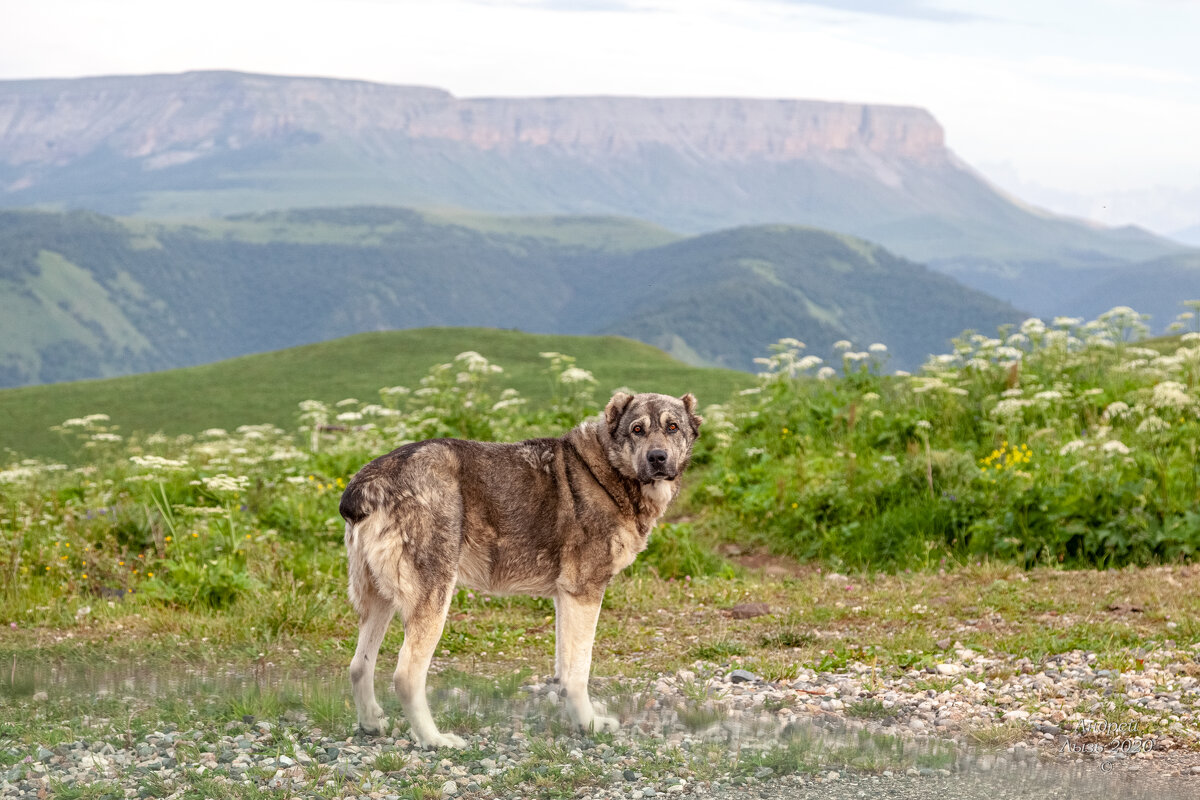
(546,517)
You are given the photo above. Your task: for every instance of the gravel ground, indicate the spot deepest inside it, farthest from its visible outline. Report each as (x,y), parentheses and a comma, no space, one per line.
(1053,732)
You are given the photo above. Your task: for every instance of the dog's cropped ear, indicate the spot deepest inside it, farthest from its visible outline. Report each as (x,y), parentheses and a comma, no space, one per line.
(689,404)
(615,408)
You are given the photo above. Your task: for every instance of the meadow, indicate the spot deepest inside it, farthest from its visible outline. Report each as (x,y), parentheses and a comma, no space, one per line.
(1071,444)
(1010,477)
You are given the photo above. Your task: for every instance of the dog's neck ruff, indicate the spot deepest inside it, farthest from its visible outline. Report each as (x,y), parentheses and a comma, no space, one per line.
(659,494)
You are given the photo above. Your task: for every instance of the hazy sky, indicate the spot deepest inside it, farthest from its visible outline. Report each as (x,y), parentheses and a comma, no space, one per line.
(1089,107)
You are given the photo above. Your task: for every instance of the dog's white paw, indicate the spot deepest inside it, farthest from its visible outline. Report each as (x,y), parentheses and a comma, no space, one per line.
(601,723)
(442,740)
(373,727)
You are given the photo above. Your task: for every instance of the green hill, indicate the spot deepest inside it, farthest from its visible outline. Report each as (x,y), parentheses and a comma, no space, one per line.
(266,388)
(88,296)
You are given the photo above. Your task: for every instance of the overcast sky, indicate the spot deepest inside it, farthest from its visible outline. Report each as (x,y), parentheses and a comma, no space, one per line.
(1088,107)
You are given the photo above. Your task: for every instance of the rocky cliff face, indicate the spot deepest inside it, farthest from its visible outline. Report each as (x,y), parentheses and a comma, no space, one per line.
(167,120)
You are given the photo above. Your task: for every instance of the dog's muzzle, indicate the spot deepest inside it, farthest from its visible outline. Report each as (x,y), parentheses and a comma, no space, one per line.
(658,466)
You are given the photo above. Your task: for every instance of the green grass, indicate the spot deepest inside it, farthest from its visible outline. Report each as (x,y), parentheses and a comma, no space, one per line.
(267,387)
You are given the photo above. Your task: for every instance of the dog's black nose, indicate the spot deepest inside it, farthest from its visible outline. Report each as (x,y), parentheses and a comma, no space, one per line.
(656,458)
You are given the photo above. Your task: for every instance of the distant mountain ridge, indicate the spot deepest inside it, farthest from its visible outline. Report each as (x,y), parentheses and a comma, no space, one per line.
(217,143)
(84,295)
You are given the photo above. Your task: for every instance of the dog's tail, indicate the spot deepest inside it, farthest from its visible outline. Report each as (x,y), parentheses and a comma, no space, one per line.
(358,501)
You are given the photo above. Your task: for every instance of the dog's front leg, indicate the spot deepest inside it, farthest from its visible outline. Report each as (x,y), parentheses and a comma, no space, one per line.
(576,628)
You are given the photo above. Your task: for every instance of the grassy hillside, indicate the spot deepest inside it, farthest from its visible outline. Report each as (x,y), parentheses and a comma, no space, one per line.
(758,285)
(87,296)
(266,388)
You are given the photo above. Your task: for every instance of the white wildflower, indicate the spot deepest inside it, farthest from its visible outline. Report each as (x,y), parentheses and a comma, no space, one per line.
(1095,390)
(751,390)
(1171,394)
(225,483)
(870,397)
(825,373)
(1016,339)
(214,433)
(754,451)
(1012,407)
(1033,327)
(158,462)
(958,390)
(1049,395)
(923,424)
(792,343)
(576,375)
(296,480)
(1152,424)
(395,391)
(1067,322)
(1187,337)
(1016,391)
(858,356)
(807,363)
(1114,446)
(1009,353)
(842,344)
(1071,446)
(1116,410)
(105,437)
(349,416)
(509,402)
(74,422)
(878,347)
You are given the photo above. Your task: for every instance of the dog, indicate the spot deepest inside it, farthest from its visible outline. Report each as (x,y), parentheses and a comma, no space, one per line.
(547,517)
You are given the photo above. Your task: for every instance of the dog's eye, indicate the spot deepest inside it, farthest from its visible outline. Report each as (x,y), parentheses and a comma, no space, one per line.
(672,427)
(637,428)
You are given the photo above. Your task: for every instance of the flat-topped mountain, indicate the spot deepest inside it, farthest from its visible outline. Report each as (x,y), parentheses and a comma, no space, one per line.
(216,143)
(167,120)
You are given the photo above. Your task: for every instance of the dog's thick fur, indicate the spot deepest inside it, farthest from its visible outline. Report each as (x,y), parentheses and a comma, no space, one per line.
(546,517)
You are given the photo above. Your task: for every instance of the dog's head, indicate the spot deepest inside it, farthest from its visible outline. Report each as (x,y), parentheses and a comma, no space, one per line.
(651,435)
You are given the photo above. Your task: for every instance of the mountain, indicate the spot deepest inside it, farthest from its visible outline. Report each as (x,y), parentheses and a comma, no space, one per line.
(1189,236)
(215,143)
(84,295)
(1158,288)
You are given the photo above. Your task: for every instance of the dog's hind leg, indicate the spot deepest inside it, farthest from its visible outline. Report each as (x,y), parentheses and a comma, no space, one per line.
(424,617)
(374,616)
(577,631)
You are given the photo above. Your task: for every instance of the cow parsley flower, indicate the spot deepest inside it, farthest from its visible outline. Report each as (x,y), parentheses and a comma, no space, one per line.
(1116,410)
(1072,446)
(1115,447)
(1171,394)
(1152,424)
